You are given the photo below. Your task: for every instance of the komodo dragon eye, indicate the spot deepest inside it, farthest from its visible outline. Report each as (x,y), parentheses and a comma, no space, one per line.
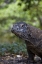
(21,25)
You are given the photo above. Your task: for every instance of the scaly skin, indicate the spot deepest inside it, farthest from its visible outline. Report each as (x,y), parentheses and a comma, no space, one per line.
(32,37)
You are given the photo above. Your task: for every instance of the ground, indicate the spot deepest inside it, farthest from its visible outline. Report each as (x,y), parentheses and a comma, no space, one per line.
(12,59)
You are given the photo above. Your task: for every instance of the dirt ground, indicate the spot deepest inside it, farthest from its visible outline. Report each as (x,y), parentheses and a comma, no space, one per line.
(12,59)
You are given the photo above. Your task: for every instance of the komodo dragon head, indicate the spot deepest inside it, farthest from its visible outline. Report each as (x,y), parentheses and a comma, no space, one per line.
(20,30)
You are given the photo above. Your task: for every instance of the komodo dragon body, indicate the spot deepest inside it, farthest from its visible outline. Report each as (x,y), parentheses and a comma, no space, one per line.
(32,37)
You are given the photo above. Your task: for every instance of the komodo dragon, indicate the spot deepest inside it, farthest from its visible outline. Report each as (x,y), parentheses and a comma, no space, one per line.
(32,37)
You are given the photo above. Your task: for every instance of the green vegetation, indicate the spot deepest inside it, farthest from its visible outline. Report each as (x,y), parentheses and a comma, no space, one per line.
(12,11)
(13,48)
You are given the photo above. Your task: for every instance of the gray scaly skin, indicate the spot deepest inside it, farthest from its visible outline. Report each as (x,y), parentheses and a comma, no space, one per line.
(32,37)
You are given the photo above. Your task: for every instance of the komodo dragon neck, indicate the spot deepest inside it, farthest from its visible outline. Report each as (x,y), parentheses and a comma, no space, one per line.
(34,36)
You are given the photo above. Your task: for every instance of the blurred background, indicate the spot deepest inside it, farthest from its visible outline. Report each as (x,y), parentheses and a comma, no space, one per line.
(11,11)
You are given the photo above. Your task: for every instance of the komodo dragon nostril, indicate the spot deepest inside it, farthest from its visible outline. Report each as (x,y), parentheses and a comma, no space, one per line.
(17,28)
